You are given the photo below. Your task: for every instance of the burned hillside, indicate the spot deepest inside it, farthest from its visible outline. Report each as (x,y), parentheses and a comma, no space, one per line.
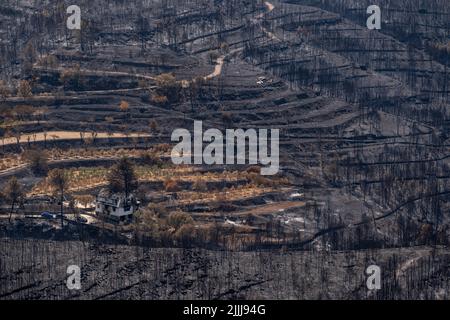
(362,116)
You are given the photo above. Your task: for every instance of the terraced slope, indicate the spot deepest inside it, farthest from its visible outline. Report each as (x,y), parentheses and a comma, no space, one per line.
(363,114)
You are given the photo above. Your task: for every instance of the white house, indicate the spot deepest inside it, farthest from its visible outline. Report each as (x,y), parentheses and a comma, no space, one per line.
(115,205)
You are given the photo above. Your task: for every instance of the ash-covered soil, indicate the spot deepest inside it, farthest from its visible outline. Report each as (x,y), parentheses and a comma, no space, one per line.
(364,120)
(127,272)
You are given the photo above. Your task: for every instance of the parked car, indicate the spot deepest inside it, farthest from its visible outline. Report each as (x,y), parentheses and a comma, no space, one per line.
(47,215)
(81,219)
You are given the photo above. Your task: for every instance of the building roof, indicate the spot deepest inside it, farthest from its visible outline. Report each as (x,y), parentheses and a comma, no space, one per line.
(112,199)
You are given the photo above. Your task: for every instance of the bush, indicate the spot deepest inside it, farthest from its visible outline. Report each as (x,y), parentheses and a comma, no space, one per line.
(171,185)
(168,87)
(124,106)
(200,186)
(160,99)
(151,159)
(84,200)
(178,219)
(37,160)
(185,232)
(159,210)
(259,180)
(147,221)
(24,89)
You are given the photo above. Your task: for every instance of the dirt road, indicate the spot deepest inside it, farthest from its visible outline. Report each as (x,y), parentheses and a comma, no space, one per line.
(66,135)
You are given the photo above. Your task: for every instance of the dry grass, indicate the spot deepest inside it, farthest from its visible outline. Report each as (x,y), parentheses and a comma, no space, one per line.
(11,161)
(224,195)
(89,177)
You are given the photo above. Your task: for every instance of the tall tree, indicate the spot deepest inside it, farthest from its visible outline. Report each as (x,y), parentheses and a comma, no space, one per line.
(29,56)
(4,90)
(59,181)
(122,177)
(13,193)
(37,160)
(143,29)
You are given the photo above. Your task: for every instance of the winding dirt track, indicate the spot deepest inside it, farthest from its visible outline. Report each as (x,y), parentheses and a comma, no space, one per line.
(219,64)
(217,69)
(400,272)
(221,60)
